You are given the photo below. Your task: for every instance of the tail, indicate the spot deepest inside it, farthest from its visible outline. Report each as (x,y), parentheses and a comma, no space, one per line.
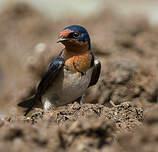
(29,104)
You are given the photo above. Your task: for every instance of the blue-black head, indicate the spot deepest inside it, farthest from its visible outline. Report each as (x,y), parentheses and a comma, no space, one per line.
(74,33)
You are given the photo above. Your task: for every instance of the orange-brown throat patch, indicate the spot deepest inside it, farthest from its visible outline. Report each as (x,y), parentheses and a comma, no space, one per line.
(77,61)
(76,46)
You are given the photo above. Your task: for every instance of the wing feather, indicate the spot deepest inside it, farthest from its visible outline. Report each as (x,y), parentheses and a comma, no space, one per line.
(95,73)
(45,83)
(50,75)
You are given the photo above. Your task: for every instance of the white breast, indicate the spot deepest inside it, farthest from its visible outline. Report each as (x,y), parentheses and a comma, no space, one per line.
(68,86)
(75,82)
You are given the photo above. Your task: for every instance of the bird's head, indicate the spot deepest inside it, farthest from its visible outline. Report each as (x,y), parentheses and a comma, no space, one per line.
(75,37)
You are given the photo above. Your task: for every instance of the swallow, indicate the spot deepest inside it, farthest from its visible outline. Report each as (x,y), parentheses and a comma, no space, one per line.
(69,75)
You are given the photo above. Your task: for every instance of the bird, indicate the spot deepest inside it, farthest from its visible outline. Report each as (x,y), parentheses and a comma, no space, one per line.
(70,74)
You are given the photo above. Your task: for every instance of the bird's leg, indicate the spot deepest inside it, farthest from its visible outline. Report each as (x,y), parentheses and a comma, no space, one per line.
(50,102)
(80,99)
(113,104)
(47,105)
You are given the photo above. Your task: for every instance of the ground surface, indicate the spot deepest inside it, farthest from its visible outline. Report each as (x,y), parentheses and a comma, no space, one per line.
(128,50)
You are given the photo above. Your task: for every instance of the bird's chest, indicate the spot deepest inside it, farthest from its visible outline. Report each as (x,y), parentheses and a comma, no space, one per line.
(68,86)
(77,74)
(79,63)
(75,81)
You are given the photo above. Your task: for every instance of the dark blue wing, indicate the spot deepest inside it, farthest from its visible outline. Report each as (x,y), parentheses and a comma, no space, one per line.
(96,73)
(45,83)
(50,75)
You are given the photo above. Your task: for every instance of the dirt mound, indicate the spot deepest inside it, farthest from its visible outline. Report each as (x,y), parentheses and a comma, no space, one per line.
(143,139)
(89,127)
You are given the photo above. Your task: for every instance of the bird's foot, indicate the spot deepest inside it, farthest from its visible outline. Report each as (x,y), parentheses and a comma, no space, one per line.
(113,104)
(80,99)
(47,105)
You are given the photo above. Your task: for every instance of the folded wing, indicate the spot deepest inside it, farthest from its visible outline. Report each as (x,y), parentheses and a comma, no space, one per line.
(95,73)
(44,84)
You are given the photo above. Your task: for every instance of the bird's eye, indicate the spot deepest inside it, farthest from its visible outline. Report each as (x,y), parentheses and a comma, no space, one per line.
(75,34)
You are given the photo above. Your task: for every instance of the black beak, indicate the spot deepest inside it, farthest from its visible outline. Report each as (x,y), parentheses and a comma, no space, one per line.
(62,39)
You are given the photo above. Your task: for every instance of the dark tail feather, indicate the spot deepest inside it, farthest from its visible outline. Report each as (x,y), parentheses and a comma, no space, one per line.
(28,104)
(29,109)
